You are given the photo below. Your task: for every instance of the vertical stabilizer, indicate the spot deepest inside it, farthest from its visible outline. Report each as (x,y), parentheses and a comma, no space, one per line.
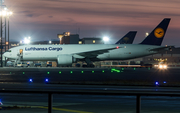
(128,38)
(157,35)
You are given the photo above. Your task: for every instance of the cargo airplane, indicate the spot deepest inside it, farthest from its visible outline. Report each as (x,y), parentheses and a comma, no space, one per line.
(67,54)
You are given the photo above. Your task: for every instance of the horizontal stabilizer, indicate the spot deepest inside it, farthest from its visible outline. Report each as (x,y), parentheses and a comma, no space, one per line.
(161,48)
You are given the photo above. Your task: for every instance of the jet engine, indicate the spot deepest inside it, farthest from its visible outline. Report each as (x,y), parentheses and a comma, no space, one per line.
(65,60)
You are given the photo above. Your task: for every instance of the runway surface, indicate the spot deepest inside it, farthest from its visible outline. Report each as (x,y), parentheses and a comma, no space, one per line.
(80,79)
(110,76)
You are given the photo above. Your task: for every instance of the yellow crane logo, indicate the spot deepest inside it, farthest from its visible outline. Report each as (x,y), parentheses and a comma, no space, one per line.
(159,32)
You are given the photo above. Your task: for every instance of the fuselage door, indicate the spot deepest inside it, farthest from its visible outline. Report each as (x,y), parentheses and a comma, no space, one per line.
(21,51)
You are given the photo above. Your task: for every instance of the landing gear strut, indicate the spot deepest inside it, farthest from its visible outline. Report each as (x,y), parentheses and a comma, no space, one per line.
(89,63)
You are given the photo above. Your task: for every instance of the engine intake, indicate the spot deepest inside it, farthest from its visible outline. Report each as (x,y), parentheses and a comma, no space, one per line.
(65,60)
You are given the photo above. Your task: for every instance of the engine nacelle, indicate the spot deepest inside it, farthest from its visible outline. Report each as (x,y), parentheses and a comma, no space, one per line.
(65,60)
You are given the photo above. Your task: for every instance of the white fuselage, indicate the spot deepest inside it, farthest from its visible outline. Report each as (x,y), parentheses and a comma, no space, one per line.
(50,52)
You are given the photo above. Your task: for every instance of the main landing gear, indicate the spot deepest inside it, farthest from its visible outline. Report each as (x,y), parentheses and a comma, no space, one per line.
(89,63)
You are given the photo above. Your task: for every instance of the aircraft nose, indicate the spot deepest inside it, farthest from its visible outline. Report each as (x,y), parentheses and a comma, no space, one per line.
(5,54)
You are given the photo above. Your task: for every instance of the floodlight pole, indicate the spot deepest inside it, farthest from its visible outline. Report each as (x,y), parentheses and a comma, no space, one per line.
(5,33)
(1,34)
(5,40)
(8,32)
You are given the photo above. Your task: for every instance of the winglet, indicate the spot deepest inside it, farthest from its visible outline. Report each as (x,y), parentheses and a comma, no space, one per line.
(157,35)
(128,38)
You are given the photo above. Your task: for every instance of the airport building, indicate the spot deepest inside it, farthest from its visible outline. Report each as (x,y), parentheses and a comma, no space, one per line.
(68,38)
(92,40)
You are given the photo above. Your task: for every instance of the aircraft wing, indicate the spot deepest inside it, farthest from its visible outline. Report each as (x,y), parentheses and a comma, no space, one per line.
(161,48)
(94,53)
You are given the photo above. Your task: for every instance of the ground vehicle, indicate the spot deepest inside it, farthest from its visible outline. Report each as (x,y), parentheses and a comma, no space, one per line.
(9,64)
(49,65)
(37,65)
(21,64)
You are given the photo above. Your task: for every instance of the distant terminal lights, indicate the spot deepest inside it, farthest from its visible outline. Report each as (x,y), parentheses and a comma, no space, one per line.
(64,34)
(68,38)
(80,42)
(92,40)
(67,33)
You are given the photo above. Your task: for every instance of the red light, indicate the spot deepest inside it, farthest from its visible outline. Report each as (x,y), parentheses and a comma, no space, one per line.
(117,47)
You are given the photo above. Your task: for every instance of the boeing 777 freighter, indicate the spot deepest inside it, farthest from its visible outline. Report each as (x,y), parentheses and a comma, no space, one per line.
(65,55)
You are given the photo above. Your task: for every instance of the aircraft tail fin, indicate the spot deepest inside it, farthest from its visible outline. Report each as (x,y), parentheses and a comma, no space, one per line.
(128,38)
(157,35)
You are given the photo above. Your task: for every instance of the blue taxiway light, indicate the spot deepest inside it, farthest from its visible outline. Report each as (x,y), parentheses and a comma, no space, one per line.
(47,80)
(1,102)
(157,83)
(30,80)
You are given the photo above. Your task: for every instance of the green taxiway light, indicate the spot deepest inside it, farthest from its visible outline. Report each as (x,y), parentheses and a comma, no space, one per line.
(59,72)
(92,71)
(82,71)
(122,68)
(47,72)
(134,68)
(71,72)
(23,72)
(10,72)
(103,71)
(149,68)
(116,70)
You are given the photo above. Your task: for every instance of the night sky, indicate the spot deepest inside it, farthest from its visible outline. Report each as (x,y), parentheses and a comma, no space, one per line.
(44,19)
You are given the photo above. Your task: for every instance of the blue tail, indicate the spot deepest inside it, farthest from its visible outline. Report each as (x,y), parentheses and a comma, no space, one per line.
(128,38)
(157,35)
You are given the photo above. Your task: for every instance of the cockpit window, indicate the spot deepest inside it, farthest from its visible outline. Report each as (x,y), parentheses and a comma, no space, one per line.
(8,51)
